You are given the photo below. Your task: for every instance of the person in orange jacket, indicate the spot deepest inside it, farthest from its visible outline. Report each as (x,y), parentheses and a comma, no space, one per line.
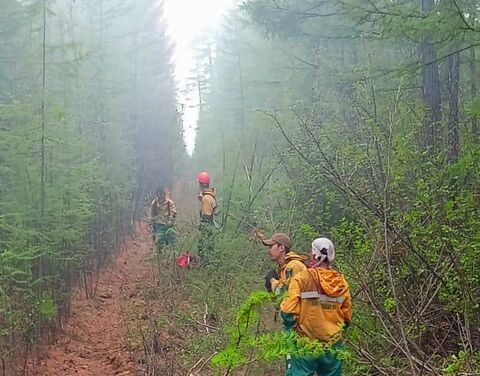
(289,263)
(207,198)
(318,305)
(208,207)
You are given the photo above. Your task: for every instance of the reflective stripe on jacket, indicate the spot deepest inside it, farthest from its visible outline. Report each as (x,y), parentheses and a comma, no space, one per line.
(320,301)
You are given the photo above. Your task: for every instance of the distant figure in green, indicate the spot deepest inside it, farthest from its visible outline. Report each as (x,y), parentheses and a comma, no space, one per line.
(162,218)
(318,305)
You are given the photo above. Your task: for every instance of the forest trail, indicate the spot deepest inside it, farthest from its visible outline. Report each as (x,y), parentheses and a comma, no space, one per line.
(102,337)
(94,342)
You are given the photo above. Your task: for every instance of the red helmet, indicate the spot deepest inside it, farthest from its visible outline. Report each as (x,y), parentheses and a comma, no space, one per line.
(203,178)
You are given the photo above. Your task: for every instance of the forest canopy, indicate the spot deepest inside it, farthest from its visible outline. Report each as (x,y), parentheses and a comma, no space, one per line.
(353,119)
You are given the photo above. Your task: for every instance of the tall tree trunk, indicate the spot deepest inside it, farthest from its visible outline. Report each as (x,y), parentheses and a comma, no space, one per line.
(64,61)
(473,90)
(41,224)
(453,83)
(240,76)
(76,92)
(431,87)
(42,141)
(199,88)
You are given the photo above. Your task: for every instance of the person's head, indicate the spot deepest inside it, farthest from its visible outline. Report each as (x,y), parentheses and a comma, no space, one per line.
(203,180)
(160,192)
(322,253)
(278,247)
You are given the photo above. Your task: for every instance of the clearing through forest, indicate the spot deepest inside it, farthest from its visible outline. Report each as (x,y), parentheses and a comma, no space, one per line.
(94,341)
(103,337)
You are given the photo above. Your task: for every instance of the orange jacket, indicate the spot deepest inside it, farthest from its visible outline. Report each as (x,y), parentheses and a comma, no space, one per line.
(209,204)
(294,264)
(320,301)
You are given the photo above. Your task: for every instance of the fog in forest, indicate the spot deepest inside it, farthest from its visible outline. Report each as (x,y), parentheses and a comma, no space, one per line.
(354,120)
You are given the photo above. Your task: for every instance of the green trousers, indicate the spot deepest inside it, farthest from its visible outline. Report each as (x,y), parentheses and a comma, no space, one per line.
(206,242)
(163,235)
(325,365)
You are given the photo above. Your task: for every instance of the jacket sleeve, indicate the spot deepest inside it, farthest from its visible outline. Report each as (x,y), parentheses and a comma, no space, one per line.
(281,286)
(213,206)
(153,209)
(173,210)
(291,303)
(346,308)
(290,306)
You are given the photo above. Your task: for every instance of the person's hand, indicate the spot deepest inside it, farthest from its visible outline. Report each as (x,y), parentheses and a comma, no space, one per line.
(272,274)
(260,234)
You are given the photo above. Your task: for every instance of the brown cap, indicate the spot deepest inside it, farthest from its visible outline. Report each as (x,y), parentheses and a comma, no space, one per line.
(279,238)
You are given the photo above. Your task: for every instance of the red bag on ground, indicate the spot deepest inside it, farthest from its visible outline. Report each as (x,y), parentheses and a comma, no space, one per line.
(184,261)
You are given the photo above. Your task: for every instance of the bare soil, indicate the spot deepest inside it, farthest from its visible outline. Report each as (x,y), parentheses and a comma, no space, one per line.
(95,339)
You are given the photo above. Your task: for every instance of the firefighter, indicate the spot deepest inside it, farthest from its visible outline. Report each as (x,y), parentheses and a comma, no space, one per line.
(207,227)
(318,306)
(162,218)
(289,263)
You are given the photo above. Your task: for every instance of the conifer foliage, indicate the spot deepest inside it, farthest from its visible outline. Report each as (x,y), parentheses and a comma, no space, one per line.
(88,128)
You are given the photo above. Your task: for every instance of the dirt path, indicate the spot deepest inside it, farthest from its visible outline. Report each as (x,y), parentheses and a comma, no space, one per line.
(103,336)
(95,338)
